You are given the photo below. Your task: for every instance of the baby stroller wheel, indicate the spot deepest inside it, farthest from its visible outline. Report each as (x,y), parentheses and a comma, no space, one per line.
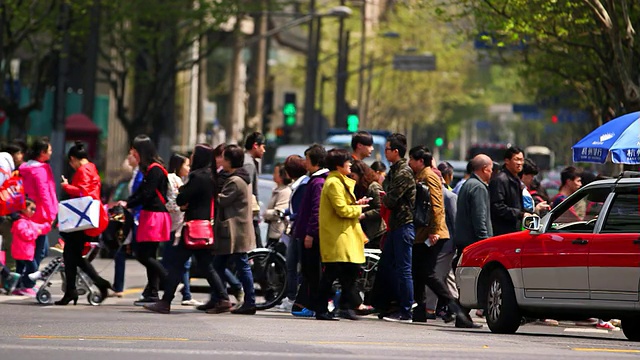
(94,298)
(43,296)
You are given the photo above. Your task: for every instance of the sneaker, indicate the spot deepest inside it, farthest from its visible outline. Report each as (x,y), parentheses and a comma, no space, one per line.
(191,302)
(348,314)
(146,300)
(244,310)
(399,317)
(331,306)
(11,282)
(35,276)
(326,317)
(304,313)
(605,325)
(25,292)
(285,306)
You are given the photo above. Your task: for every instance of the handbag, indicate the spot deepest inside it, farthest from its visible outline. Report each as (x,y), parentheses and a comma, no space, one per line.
(198,234)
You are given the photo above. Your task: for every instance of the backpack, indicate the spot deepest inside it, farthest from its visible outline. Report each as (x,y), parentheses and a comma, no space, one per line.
(422,213)
(12,196)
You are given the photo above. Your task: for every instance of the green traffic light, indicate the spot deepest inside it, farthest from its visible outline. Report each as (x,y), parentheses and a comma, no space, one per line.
(289,120)
(439,141)
(352,122)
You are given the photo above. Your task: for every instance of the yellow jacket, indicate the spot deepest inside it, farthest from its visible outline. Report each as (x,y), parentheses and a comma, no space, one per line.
(341,236)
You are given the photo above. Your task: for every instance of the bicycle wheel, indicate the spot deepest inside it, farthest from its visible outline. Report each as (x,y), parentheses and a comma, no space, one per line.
(269,271)
(367,275)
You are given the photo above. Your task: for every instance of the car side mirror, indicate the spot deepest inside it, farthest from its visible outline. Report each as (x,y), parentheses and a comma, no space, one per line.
(531,222)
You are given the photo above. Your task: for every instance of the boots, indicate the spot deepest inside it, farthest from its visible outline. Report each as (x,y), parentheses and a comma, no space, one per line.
(69,295)
(160,307)
(221,307)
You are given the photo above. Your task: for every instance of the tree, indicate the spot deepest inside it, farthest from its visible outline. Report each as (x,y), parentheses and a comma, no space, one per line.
(146,43)
(29,44)
(585,48)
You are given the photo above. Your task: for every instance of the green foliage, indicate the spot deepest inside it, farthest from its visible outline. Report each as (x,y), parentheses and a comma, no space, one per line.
(583,50)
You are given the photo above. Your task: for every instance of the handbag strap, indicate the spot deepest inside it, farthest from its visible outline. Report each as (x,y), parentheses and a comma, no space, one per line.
(212,214)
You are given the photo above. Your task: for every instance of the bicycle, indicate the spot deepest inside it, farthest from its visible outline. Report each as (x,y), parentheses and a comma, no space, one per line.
(269,269)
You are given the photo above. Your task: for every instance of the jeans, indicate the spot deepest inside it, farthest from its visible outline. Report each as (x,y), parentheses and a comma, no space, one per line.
(120,260)
(244,274)
(42,250)
(294,251)
(396,262)
(24,268)
(147,256)
(168,259)
(178,260)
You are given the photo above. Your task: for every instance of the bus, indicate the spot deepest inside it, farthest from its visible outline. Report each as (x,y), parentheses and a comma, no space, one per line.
(542,156)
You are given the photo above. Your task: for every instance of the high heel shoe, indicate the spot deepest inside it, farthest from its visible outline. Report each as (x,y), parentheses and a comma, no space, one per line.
(68,297)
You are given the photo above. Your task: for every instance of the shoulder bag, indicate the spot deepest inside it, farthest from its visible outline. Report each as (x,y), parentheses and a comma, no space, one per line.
(198,234)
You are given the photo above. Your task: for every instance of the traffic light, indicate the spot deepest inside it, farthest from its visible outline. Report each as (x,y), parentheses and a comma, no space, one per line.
(439,141)
(290,109)
(353,121)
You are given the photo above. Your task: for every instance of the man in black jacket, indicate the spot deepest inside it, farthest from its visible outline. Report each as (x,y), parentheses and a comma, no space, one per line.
(505,191)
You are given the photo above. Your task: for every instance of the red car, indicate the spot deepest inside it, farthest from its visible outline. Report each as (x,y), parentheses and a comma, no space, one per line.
(581,260)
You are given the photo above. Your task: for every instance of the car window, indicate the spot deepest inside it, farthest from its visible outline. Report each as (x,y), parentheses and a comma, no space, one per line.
(624,214)
(578,213)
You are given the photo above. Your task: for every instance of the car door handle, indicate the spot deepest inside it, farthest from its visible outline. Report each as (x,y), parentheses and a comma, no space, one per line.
(636,241)
(580,242)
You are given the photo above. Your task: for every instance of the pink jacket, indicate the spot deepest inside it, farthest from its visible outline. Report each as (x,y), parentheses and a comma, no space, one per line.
(25,232)
(40,186)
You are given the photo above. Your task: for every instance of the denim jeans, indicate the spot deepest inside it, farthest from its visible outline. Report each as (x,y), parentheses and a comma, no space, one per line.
(244,274)
(42,250)
(294,251)
(397,254)
(168,255)
(120,260)
(24,268)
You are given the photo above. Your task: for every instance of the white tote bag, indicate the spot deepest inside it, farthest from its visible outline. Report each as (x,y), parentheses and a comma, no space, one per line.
(78,214)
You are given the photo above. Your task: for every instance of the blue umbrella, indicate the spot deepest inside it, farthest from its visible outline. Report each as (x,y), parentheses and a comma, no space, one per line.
(619,137)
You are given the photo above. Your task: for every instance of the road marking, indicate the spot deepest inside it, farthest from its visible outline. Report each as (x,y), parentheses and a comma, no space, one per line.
(127,338)
(628,351)
(591,331)
(132,291)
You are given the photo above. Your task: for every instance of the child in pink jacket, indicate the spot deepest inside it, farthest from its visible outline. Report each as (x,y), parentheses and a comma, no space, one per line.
(25,232)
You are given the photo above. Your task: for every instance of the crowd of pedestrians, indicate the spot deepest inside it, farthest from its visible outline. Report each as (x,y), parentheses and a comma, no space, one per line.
(327,207)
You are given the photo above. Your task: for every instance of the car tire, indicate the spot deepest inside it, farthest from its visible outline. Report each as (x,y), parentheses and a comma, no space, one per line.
(631,328)
(502,312)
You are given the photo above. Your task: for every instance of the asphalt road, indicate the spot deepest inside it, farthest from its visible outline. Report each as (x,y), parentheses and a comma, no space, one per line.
(119,330)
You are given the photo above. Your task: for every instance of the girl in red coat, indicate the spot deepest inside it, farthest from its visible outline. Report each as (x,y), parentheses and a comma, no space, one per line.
(85,182)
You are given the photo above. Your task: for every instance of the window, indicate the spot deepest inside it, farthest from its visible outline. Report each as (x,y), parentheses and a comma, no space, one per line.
(578,213)
(624,215)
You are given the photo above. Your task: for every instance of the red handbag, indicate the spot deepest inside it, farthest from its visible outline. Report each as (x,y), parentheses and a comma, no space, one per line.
(198,234)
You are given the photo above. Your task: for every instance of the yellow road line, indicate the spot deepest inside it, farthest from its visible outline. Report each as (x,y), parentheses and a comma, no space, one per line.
(628,351)
(376,343)
(132,291)
(120,338)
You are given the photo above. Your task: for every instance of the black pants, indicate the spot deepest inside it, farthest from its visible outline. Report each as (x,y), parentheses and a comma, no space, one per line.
(72,256)
(146,254)
(454,266)
(204,260)
(256,230)
(311,270)
(4,271)
(424,263)
(347,273)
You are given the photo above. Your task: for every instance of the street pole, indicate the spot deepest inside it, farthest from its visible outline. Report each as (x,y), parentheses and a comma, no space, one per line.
(58,133)
(260,70)
(311,76)
(89,86)
(363,38)
(231,126)
(341,78)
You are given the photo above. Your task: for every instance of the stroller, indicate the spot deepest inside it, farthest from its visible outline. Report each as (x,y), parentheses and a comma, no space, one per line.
(83,282)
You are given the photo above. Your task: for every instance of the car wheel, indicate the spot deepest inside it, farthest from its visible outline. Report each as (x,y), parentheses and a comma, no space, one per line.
(631,328)
(502,312)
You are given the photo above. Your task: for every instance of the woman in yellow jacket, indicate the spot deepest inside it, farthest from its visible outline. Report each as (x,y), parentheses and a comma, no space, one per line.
(341,237)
